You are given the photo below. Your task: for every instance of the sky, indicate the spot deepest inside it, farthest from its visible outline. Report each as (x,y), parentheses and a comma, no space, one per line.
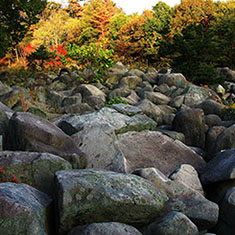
(132,6)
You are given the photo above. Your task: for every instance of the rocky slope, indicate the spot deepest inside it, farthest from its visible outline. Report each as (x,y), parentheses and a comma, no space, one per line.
(160,162)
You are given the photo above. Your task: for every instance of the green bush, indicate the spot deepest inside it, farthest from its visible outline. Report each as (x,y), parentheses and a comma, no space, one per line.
(92,56)
(116,100)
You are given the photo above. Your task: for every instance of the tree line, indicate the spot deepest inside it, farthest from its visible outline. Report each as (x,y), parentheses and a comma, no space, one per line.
(193,37)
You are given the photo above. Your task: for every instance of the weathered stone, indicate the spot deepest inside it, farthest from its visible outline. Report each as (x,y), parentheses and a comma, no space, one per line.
(118,122)
(87,90)
(69,100)
(57,86)
(95,102)
(130,82)
(156,112)
(127,109)
(198,209)
(23,210)
(55,98)
(192,124)
(212,120)
(225,140)
(153,149)
(90,196)
(163,88)
(135,72)
(157,98)
(36,169)
(119,92)
(228,73)
(211,136)
(187,175)
(172,134)
(172,79)
(220,168)
(79,108)
(132,99)
(212,107)
(150,77)
(37,111)
(171,224)
(111,228)
(27,132)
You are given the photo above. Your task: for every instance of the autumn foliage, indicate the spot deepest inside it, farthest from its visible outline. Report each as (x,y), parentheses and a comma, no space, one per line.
(97,33)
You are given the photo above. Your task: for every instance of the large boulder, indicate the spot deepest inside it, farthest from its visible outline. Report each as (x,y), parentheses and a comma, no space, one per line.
(171,224)
(130,82)
(212,107)
(89,196)
(202,212)
(172,79)
(153,149)
(23,210)
(36,169)
(88,90)
(157,98)
(108,228)
(191,123)
(225,140)
(27,132)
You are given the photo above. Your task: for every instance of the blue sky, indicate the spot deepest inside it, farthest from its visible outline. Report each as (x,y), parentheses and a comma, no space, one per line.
(131,6)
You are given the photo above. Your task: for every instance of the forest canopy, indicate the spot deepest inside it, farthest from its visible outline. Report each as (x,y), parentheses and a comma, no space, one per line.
(188,37)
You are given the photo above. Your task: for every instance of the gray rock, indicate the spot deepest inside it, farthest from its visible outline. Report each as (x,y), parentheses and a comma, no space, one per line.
(111,228)
(27,132)
(172,134)
(228,73)
(212,107)
(172,79)
(197,208)
(127,109)
(36,169)
(187,175)
(153,149)
(157,98)
(220,168)
(69,100)
(23,210)
(120,92)
(211,136)
(55,98)
(90,196)
(130,82)
(95,102)
(171,224)
(194,95)
(57,86)
(156,112)
(134,72)
(87,90)
(150,77)
(79,108)
(192,124)
(212,120)
(225,140)
(118,122)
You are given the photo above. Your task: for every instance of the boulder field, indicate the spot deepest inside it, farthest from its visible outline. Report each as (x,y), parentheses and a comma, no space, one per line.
(146,153)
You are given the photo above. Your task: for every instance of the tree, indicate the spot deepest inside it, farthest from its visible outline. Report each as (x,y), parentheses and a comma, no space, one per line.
(16,16)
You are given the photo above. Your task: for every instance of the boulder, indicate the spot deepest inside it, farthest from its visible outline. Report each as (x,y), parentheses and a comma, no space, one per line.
(119,92)
(95,102)
(192,124)
(36,169)
(157,98)
(150,77)
(127,109)
(153,149)
(202,212)
(212,107)
(108,228)
(212,120)
(87,90)
(227,214)
(91,196)
(134,72)
(225,140)
(172,79)
(69,100)
(220,168)
(171,224)
(156,112)
(79,108)
(187,175)
(23,210)
(130,82)
(27,132)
